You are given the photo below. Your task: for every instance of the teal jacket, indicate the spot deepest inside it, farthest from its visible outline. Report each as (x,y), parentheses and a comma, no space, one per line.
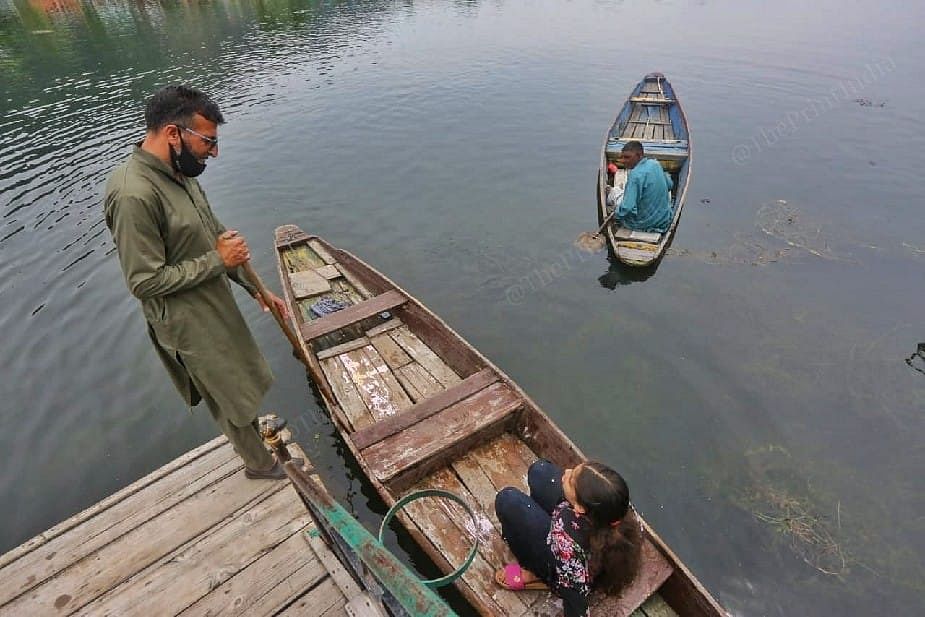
(646,206)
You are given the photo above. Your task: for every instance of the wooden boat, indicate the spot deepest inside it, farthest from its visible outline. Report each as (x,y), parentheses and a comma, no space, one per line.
(652,115)
(421,408)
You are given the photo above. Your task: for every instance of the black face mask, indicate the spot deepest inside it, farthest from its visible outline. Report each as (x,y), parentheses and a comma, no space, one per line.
(185,162)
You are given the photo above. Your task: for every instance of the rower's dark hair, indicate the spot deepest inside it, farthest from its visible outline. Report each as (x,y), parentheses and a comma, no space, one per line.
(634,146)
(177,105)
(615,549)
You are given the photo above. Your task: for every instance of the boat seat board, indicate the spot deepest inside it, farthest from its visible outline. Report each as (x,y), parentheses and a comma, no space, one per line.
(441,431)
(468,387)
(352,314)
(623,233)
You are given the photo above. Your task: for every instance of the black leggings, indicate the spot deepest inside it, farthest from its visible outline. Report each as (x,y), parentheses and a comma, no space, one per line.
(525,519)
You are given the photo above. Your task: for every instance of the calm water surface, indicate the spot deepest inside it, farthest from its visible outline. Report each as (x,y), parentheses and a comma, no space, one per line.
(753,389)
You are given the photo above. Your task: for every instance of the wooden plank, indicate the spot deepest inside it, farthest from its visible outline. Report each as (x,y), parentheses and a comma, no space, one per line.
(425,356)
(377,386)
(354,282)
(184,576)
(335,321)
(448,540)
(329,272)
(308,284)
(118,561)
(502,461)
(491,546)
(322,252)
(384,327)
(345,291)
(346,394)
(324,599)
(477,483)
(468,387)
(395,454)
(363,605)
(419,384)
(266,585)
(109,524)
(390,351)
(654,570)
(123,494)
(337,350)
(656,606)
(344,581)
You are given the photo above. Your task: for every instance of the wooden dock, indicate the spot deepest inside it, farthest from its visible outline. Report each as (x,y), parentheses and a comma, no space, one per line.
(194,537)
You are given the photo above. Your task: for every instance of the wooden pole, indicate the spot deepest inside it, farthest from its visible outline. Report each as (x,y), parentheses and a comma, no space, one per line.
(283,324)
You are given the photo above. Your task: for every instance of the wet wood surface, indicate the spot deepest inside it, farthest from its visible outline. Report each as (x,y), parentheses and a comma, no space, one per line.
(192,538)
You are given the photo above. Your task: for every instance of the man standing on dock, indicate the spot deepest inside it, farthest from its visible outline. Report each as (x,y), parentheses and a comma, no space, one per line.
(178,258)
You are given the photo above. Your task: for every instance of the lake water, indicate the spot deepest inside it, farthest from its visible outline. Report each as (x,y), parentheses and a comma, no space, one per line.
(753,389)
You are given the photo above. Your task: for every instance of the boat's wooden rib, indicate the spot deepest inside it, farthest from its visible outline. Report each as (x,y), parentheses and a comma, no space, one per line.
(653,116)
(420,408)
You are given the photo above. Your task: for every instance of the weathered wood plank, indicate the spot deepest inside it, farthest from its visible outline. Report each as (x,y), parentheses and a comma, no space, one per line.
(322,252)
(397,453)
(335,569)
(324,599)
(330,272)
(419,384)
(337,350)
(354,282)
(468,387)
(108,525)
(654,571)
(656,606)
(363,605)
(116,562)
(182,577)
(384,327)
(335,321)
(308,283)
(266,585)
(425,356)
(439,529)
(346,394)
(123,494)
(477,483)
(501,461)
(390,351)
(377,386)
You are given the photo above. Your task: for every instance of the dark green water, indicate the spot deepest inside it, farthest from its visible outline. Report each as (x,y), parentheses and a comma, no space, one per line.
(753,389)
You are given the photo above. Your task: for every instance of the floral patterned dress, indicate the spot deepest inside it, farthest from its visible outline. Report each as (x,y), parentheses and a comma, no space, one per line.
(569,540)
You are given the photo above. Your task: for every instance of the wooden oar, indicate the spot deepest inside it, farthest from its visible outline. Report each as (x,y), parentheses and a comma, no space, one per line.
(283,324)
(593,242)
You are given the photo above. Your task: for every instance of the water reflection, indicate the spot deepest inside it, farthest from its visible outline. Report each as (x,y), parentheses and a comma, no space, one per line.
(618,273)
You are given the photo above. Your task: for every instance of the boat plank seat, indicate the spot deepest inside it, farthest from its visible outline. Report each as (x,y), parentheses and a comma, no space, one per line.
(366,437)
(352,314)
(455,425)
(624,233)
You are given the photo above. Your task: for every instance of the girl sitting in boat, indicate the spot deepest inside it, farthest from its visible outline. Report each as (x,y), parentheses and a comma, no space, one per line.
(574,531)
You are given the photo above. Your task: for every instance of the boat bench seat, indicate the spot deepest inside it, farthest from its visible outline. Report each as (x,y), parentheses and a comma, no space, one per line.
(623,233)
(453,419)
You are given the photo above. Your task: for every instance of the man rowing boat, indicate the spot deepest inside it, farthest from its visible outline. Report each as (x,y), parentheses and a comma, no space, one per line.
(645,204)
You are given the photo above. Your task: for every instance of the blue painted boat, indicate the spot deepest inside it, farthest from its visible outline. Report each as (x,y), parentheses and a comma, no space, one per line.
(652,115)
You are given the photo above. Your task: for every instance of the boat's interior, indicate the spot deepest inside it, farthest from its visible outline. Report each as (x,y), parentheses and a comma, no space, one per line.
(423,411)
(652,117)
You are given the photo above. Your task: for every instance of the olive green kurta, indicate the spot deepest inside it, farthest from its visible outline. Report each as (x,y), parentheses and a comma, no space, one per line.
(165,233)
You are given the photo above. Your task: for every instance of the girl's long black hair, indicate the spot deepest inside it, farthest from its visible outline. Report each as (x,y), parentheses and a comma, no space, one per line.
(615,549)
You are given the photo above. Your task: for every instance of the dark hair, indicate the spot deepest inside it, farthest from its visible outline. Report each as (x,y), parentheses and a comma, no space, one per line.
(177,105)
(615,550)
(634,146)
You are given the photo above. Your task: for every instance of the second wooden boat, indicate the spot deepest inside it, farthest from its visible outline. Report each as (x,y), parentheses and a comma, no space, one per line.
(652,116)
(420,408)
